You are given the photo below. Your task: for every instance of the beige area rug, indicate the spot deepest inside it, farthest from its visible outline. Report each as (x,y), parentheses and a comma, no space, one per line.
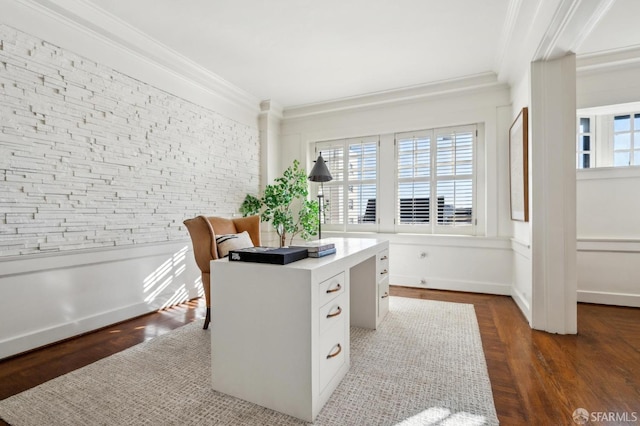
(423,366)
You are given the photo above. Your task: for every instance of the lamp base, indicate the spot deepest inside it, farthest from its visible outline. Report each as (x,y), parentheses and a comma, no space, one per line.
(320,197)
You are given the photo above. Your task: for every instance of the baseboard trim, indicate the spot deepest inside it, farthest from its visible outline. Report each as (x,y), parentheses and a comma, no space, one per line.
(453,285)
(608,298)
(19,344)
(522,303)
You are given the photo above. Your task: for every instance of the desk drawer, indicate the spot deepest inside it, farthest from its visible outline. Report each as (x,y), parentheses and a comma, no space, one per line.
(331,288)
(332,352)
(383,298)
(382,265)
(333,312)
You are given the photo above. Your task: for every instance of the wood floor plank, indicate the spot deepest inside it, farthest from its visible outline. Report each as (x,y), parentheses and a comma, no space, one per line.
(536,377)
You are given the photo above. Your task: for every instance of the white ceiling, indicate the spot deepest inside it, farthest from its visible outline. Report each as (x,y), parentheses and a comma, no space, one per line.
(618,29)
(298,52)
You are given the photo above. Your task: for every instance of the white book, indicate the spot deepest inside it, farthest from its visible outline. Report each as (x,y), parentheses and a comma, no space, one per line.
(316,246)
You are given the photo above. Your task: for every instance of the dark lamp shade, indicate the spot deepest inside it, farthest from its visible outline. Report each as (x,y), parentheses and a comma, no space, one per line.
(320,171)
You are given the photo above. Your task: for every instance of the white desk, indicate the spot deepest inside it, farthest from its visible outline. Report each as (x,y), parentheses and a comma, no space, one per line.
(280,334)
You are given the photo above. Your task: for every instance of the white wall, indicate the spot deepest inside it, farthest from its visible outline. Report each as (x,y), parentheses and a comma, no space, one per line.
(609,236)
(468,263)
(98,172)
(608,205)
(522,289)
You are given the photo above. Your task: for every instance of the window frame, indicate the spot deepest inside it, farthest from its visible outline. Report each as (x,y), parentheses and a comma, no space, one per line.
(346,183)
(633,144)
(433,227)
(592,152)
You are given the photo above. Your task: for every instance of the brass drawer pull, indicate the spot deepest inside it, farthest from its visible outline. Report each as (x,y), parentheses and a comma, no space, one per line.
(336,313)
(336,353)
(384,272)
(333,290)
(385,295)
(384,257)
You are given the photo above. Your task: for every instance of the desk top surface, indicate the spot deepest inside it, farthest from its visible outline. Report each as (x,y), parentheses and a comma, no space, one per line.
(345,248)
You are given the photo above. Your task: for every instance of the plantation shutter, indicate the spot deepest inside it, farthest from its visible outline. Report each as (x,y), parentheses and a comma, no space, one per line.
(333,154)
(362,181)
(454,176)
(414,179)
(435,180)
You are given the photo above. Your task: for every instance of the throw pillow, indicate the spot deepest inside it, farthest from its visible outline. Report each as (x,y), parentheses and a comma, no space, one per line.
(229,242)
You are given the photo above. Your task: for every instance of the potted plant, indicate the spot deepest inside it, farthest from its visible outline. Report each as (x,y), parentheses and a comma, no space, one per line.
(288,194)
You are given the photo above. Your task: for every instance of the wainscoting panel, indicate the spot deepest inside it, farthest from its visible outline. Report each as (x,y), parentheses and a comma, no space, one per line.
(609,271)
(46,298)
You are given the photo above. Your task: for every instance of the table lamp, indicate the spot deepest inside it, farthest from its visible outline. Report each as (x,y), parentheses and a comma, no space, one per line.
(320,173)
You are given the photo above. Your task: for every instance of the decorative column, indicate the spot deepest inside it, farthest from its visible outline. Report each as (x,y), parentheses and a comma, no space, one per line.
(552,118)
(269,126)
(269,122)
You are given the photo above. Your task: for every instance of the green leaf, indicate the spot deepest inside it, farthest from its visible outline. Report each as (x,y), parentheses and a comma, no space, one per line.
(279,200)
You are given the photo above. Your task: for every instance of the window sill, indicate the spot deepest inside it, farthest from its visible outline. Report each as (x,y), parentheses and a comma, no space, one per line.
(429,239)
(608,173)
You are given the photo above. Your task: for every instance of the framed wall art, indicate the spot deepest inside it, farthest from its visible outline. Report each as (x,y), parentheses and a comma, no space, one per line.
(519,167)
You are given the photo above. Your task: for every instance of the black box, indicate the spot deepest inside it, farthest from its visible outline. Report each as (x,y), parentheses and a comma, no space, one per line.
(277,256)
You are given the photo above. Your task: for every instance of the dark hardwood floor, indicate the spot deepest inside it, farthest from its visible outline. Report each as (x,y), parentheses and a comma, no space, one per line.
(537,378)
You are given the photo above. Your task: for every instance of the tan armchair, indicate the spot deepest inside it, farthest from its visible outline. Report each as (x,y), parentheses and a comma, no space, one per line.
(203,231)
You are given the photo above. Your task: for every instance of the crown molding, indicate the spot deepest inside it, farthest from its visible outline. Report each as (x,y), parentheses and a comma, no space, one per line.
(508,29)
(86,17)
(571,24)
(412,93)
(609,60)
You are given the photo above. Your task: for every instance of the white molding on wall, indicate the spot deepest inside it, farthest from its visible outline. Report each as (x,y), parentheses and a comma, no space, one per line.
(521,248)
(508,29)
(32,263)
(74,292)
(609,245)
(413,93)
(452,285)
(609,60)
(85,17)
(570,26)
(465,241)
(522,303)
(609,298)
(598,173)
(18,344)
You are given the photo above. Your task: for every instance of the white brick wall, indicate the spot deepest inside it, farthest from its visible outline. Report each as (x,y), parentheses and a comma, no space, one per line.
(90,157)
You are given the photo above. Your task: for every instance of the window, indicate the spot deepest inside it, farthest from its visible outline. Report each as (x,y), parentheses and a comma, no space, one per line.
(584,148)
(350,197)
(435,180)
(608,136)
(626,140)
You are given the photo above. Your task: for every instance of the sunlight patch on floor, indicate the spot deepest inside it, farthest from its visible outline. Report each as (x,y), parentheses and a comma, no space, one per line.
(439,416)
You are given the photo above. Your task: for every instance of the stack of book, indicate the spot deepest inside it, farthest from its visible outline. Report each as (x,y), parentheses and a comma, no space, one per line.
(278,256)
(319,248)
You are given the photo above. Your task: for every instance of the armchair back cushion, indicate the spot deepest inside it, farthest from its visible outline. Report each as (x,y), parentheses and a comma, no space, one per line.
(203,231)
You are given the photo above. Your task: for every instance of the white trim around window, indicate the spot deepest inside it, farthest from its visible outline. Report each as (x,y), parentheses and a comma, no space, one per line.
(414,165)
(351,197)
(436,164)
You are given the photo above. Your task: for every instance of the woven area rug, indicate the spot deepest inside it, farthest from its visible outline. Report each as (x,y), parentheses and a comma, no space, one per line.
(423,366)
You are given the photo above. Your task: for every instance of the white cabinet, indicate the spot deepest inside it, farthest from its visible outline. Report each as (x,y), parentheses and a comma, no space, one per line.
(280,334)
(333,326)
(383,285)
(370,290)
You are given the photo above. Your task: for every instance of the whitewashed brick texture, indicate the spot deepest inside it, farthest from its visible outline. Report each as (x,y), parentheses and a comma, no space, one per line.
(90,157)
